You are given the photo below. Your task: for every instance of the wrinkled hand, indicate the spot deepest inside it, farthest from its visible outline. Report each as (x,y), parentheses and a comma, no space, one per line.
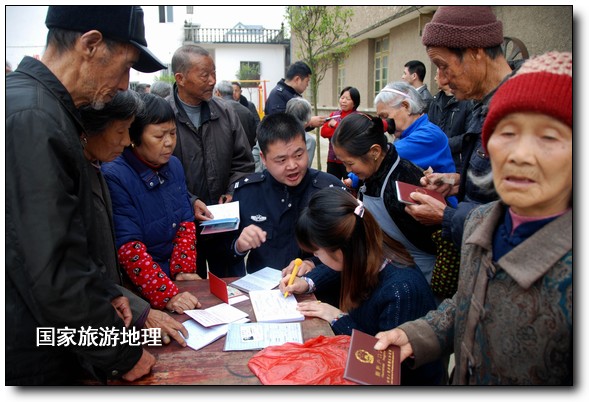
(317,309)
(305,267)
(201,212)
(428,211)
(187,276)
(141,368)
(251,237)
(394,337)
(123,309)
(446,184)
(183,301)
(298,286)
(168,325)
(317,121)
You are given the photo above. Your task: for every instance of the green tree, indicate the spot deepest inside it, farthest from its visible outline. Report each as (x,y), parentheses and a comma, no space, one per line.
(322,38)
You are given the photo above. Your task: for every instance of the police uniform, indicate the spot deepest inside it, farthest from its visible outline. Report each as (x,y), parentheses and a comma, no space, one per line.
(275,208)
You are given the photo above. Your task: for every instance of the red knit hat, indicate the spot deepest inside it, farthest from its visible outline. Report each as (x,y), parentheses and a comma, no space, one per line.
(463,27)
(543,84)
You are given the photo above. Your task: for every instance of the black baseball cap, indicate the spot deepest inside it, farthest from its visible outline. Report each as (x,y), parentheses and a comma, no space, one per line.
(119,23)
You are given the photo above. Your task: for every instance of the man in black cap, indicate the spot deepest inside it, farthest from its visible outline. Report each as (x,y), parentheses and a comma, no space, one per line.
(53,275)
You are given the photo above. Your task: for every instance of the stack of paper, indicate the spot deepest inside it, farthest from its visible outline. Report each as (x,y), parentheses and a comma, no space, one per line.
(272,306)
(220,314)
(264,279)
(252,336)
(225,218)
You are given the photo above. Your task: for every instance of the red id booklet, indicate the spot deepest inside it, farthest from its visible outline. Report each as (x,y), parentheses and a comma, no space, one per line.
(404,189)
(368,366)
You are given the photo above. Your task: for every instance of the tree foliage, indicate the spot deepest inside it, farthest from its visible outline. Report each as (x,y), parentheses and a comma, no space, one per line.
(322,38)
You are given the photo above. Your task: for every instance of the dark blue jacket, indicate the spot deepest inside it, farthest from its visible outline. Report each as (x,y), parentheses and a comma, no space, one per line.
(148,205)
(275,208)
(279,96)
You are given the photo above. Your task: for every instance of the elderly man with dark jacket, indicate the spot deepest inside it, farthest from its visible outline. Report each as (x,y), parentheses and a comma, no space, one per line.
(211,144)
(53,272)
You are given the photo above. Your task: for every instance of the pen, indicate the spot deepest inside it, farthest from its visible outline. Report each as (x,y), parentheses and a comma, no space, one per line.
(293,274)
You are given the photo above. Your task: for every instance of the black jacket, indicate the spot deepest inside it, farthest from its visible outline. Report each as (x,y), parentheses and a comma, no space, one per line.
(278,98)
(53,275)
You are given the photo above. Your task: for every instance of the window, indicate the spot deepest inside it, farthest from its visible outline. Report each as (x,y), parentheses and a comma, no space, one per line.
(381,62)
(249,70)
(166,13)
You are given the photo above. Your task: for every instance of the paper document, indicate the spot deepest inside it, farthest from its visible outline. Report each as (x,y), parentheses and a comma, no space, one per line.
(272,306)
(225,218)
(252,336)
(220,314)
(264,279)
(199,336)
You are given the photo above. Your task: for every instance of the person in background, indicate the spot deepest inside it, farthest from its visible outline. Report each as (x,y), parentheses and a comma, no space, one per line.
(53,272)
(511,320)
(238,96)
(453,116)
(359,142)
(349,100)
(296,82)
(105,138)
(212,146)
(161,88)
(301,109)
(142,88)
(270,202)
(154,221)
(224,90)
(376,295)
(464,42)
(417,139)
(414,74)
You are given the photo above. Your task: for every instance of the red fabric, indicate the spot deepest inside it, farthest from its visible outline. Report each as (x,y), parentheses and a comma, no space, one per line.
(319,361)
(184,253)
(327,131)
(146,274)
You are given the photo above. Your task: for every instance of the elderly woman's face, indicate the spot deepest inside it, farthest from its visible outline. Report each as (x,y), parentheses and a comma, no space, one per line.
(532,160)
(158,142)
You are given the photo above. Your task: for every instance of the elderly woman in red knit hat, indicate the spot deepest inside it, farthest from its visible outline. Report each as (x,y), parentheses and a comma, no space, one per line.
(510,322)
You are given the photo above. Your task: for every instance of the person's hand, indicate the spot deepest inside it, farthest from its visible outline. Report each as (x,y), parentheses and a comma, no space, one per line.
(183,301)
(141,368)
(298,286)
(305,267)
(317,309)
(428,211)
(251,237)
(186,276)
(225,198)
(394,337)
(446,184)
(317,121)
(332,123)
(123,309)
(201,212)
(168,325)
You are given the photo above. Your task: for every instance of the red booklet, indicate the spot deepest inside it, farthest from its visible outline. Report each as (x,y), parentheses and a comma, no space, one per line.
(404,189)
(368,366)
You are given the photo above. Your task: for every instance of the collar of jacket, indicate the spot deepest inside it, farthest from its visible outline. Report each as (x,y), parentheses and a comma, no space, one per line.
(150,177)
(287,87)
(539,252)
(39,72)
(205,110)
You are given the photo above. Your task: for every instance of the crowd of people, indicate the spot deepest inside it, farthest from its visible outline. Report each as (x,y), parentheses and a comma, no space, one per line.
(106,187)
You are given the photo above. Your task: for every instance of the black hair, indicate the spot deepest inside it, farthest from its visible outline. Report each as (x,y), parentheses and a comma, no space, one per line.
(278,127)
(298,69)
(155,110)
(417,67)
(358,132)
(354,94)
(123,106)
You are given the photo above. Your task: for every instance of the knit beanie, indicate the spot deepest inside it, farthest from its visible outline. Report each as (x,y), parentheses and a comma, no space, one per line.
(463,27)
(543,84)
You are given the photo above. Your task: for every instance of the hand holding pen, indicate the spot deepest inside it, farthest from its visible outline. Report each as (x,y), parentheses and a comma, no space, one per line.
(293,274)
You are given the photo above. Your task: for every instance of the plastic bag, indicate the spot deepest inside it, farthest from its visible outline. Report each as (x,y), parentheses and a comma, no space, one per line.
(319,361)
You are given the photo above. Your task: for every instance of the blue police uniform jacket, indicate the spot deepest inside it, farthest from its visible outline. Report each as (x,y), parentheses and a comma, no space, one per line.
(148,206)
(275,208)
